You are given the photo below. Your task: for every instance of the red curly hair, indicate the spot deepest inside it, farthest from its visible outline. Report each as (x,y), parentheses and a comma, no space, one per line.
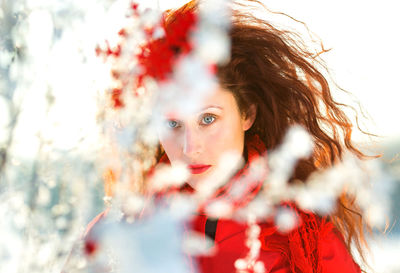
(271,69)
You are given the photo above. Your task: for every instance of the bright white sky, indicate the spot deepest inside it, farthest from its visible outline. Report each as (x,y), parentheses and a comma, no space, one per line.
(365,52)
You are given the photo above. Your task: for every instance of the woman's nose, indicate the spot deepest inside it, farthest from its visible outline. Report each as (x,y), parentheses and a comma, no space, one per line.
(191,143)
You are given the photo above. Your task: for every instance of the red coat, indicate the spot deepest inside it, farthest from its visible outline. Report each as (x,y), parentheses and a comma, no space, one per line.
(280,253)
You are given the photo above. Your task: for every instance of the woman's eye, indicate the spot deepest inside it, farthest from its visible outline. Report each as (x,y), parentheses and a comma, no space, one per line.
(172,124)
(206,120)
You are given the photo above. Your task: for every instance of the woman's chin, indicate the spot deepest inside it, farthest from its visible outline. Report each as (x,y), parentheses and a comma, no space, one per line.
(209,179)
(196,179)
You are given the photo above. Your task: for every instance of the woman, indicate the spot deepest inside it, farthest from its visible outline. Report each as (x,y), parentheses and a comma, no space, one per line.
(268,85)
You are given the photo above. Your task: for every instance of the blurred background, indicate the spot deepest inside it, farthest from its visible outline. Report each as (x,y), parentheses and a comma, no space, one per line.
(51,84)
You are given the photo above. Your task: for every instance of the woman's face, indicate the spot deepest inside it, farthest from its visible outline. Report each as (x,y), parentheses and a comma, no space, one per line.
(201,138)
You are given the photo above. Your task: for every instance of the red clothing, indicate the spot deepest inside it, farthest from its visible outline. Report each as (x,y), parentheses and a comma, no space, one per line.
(280,253)
(315,246)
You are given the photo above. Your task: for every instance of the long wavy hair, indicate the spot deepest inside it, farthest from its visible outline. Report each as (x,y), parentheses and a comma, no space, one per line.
(272,69)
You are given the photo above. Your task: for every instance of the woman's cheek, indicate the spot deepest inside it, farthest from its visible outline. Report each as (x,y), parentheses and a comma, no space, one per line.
(217,137)
(230,136)
(170,145)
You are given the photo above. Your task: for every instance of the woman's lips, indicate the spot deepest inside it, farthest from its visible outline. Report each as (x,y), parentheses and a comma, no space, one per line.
(199,168)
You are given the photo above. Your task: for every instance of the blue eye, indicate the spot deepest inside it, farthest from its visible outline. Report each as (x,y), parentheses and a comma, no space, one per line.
(207,119)
(172,124)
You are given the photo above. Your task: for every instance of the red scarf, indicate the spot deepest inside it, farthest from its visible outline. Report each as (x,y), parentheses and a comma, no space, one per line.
(301,246)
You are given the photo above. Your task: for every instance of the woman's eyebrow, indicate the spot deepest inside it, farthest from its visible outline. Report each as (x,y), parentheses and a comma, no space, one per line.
(212,106)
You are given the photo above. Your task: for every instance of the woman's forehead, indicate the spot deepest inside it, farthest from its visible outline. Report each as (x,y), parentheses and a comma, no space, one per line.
(217,100)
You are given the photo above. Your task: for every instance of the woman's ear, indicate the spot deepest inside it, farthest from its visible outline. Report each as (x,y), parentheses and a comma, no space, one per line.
(250,117)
